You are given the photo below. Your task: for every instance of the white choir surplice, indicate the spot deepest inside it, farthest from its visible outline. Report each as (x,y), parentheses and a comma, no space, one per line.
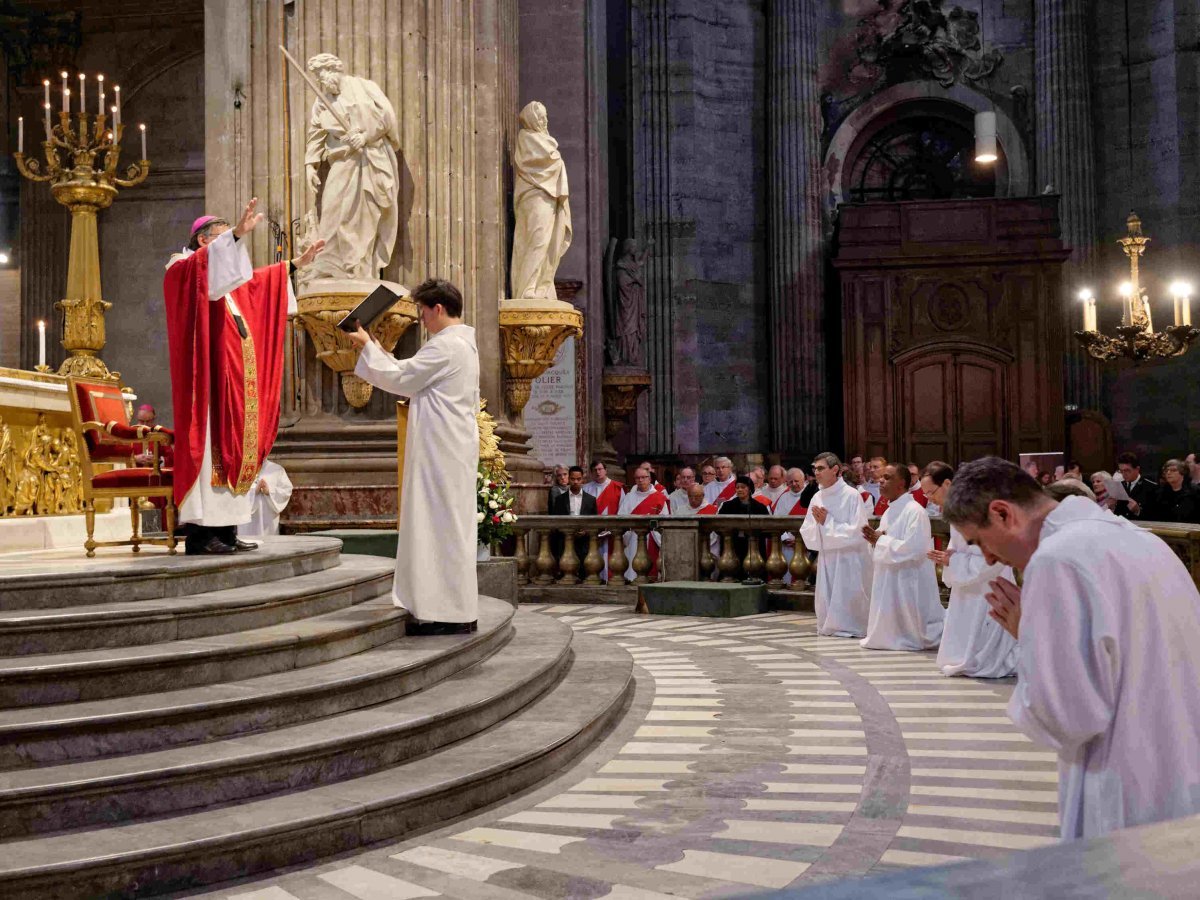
(629,503)
(677,498)
(715,488)
(435,553)
(1109,675)
(268,507)
(906,606)
(771,493)
(684,510)
(229,267)
(784,504)
(973,643)
(843,600)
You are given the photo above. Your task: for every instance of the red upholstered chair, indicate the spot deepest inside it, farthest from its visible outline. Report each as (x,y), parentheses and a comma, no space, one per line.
(99,414)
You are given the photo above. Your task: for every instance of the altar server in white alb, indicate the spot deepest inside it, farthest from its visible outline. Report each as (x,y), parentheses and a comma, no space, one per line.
(435,552)
(1108,621)
(973,643)
(271,496)
(833,528)
(906,606)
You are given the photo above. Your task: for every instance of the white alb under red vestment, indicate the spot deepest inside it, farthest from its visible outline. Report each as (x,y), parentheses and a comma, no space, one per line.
(225,330)
(608,501)
(719,491)
(648,503)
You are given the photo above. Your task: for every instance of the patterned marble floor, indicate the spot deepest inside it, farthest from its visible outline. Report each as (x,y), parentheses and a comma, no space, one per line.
(755,755)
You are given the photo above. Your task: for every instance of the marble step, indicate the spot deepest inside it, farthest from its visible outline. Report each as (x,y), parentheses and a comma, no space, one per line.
(52,579)
(44,735)
(211,845)
(119,789)
(40,679)
(63,630)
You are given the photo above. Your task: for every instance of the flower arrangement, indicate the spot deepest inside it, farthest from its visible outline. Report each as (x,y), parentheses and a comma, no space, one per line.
(493,508)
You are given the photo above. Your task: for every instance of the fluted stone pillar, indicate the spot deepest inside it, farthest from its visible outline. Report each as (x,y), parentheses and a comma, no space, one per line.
(1066,159)
(798,402)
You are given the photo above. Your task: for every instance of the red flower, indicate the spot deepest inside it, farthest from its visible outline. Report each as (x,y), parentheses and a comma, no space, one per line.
(495,520)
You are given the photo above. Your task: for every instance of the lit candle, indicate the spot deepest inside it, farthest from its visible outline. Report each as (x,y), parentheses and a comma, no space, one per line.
(1089,310)
(116,122)
(1182,291)
(82,94)
(41,343)
(46,108)
(117,98)
(142,126)
(67,100)
(20,134)
(100,105)
(46,91)
(63,73)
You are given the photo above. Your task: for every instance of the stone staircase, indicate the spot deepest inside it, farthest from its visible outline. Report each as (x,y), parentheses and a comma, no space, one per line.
(167,722)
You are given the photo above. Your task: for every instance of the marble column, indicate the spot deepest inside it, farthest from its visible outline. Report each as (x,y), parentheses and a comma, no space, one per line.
(1066,160)
(798,358)
(650,91)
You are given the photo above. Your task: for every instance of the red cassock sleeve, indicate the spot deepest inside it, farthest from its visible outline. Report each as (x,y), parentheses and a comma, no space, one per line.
(214,371)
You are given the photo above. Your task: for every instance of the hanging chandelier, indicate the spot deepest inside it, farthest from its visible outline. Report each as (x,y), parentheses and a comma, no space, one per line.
(1136,338)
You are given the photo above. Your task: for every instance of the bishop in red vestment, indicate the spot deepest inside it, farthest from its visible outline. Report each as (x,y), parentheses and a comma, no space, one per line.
(225,327)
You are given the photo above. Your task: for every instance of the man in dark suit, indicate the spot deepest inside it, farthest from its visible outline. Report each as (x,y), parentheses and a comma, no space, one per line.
(1142,491)
(575,501)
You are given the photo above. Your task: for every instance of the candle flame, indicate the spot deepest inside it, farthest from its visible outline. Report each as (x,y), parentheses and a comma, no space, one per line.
(63,73)
(46,82)
(99,77)
(142,125)
(1085,295)
(41,324)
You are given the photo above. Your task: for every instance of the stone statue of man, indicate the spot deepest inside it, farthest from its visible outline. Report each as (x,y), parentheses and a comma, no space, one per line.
(630,319)
(359,213)
(543,211)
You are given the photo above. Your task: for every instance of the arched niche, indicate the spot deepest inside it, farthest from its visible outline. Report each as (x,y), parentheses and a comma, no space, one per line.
(956,104)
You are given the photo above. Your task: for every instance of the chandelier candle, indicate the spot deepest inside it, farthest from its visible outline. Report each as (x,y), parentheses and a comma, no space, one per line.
(82,94)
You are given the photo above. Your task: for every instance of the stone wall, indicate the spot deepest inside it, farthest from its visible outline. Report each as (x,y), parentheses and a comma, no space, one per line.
(696,123)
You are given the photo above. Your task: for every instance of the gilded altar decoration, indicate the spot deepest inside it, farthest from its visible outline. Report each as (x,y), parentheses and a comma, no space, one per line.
(531,331)
(491,457)
(320,313)
(40,473)
(82,154)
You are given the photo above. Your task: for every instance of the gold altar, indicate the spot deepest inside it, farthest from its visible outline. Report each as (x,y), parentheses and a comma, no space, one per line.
(40,472)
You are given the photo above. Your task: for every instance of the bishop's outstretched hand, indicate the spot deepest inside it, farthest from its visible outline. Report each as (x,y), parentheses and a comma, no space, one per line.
(249,220)
(308,255)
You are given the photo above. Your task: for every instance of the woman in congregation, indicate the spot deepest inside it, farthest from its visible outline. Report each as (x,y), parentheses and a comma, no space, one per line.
(1177,499)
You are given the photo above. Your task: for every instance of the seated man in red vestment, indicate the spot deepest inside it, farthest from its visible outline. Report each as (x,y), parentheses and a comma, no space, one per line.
(225,326)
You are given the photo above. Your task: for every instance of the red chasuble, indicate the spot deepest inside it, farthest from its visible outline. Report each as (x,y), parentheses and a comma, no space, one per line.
(214,370)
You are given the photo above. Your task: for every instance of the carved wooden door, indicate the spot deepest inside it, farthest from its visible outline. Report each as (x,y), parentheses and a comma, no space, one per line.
(953,407)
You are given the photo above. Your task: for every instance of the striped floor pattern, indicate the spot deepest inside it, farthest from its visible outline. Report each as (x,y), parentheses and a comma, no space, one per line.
(756,755)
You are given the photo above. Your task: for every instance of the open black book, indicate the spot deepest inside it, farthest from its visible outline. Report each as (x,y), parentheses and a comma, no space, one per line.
(367,313)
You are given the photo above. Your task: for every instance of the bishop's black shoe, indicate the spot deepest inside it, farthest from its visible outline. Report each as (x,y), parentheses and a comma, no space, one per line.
(212,546)
(243,546)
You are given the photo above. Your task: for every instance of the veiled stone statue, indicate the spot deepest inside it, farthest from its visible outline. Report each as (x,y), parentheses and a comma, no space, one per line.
(359,213)
(543,211)
(627,304)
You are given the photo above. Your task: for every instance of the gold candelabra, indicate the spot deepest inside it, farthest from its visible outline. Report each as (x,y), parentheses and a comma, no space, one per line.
(81,161)
(1136,338)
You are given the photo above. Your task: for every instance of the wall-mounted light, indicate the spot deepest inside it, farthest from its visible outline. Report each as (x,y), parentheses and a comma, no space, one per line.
(985,137)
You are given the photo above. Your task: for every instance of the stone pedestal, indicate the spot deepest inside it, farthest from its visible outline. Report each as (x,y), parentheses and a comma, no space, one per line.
(620,388)
(326,302)
(531,332)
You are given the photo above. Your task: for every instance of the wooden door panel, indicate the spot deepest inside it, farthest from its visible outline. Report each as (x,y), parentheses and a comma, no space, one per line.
(927,400)
(981,410)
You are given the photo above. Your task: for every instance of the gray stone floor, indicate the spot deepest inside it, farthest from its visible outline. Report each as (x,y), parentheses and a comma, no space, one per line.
(755,755)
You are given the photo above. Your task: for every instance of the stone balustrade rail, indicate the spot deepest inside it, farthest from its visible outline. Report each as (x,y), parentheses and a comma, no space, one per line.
(700,548)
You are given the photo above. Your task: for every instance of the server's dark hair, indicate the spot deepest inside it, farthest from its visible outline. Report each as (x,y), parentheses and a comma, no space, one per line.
(434,291)
(978,483)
